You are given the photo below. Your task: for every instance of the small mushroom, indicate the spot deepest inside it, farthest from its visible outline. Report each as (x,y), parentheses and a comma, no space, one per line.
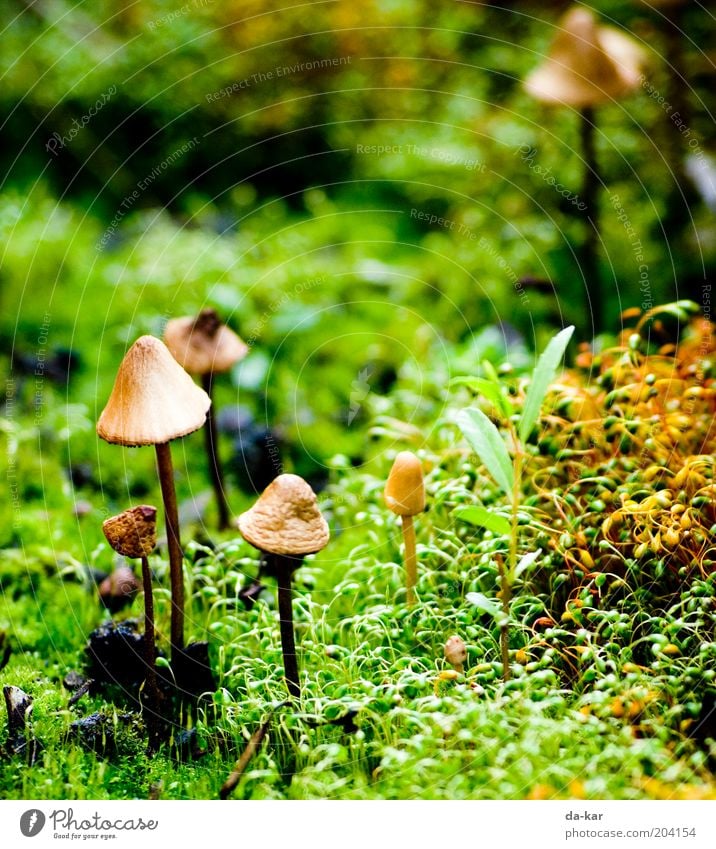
(587,64)
(133,533)
(205,346)
(118,589)
(154,401)
(405,496)
(456,653)
(286,524)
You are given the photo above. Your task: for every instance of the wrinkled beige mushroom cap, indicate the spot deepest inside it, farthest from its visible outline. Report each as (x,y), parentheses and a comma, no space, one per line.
(132,533)
(286,519)
(204,344)
(404,490)
(587,64)
(153,400)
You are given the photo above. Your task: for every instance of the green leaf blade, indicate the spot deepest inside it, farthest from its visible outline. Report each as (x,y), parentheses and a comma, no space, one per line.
(492,392)
(484,604)
(483,518)
(489,446)
(543,375)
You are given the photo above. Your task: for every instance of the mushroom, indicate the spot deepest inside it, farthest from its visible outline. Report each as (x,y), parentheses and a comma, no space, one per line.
(587,64)
(133,533)
(405,496)
(154,401)
(205,346)
(118,589)
(286,524)
(456,653)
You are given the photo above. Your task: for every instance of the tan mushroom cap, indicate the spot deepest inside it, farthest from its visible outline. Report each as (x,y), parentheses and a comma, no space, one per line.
(587,64)
(286,519)
(132,533)
(405,490)
(204,344)
(153,400)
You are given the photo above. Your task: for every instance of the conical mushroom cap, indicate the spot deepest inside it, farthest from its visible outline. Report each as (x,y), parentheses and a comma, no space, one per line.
(132,533)
(204,344)
(586,64)
(404,489)
(286,519)
(153,400)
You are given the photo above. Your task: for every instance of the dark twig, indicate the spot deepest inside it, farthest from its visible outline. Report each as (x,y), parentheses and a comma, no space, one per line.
(81,691)
(251,748)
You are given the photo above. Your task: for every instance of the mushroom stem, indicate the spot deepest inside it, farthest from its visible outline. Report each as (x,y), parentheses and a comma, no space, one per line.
(150,658)
(284,568)
(411,560)
(590,198)
(171,518)
(212,452)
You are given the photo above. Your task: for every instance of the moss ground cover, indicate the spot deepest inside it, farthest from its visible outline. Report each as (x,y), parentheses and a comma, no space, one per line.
(396,222)
(611,649)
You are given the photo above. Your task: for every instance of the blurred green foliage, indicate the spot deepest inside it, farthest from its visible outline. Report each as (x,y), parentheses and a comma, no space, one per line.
(347,184)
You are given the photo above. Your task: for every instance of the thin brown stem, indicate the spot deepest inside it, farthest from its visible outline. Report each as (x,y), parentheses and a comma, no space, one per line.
(176,572)
(505,595)
(411,560)
(507,573)
(284,567)
(212,453)
(150,657)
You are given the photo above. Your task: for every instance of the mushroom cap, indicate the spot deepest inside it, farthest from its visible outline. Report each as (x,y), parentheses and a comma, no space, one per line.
(286,519)
(132,533)
(586,64)
(455,650)
(204,344)
(405,490)
(153,400)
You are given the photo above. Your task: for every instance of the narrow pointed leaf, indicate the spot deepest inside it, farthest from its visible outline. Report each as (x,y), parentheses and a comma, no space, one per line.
(489,446)
(525,562)
(489,390)
(483,518)
(544,373)
(485,604)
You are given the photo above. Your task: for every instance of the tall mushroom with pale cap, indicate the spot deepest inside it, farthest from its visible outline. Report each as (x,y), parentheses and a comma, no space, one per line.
(286,524)
(153,402)
(133,534)
(405,496)
(205,346)
(587,65)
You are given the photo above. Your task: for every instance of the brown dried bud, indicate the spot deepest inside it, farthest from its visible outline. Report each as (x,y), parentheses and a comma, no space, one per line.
(455,652)
(134,532)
